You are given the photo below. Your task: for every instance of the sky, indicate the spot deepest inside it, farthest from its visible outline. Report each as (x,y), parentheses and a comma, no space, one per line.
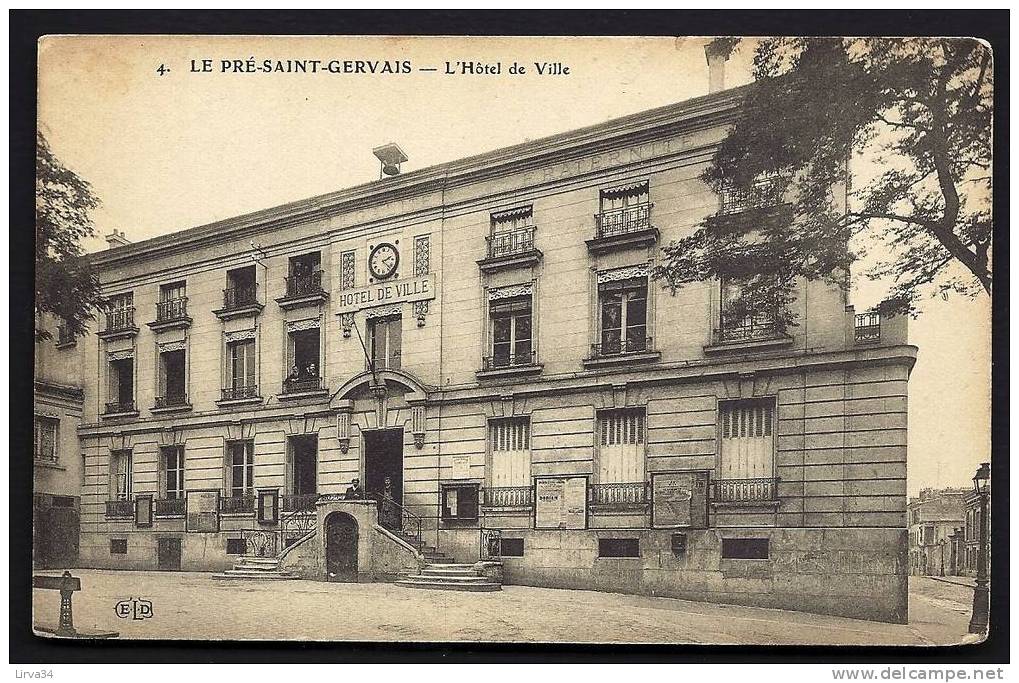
(168,146)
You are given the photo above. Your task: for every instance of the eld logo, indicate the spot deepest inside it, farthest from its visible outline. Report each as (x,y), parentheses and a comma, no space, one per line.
(134,608)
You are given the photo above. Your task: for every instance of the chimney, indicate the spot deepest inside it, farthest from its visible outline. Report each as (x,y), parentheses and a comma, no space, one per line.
(717,53)
(117,239)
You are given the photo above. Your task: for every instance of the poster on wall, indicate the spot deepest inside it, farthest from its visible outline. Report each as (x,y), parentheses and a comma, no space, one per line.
(461,466)
(560,503)
(679,499)
(203,511)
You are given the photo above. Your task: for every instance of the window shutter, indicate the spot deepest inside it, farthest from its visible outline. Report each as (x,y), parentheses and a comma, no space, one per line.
(511,453)
(249,363)
(621,446)
(395,327)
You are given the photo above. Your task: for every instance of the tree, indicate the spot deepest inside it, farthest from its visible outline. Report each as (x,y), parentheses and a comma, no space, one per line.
(65,284)
(911,118)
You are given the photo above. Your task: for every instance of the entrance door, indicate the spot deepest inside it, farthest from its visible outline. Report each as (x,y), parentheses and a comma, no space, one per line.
(341,547)
(383,458)
(168,550)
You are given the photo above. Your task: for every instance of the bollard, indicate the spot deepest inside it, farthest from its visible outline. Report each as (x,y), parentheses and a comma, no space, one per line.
(67,587)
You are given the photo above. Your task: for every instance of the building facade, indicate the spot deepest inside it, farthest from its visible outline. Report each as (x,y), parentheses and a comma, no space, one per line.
(969,542)
(57,463)
(484,338)
(935,518)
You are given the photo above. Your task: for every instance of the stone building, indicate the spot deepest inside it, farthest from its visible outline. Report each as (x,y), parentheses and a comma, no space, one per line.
(970,542)
(57,462)
(934,518)
(532,395)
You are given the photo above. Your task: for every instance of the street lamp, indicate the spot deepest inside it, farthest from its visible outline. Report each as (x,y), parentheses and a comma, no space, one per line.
(978,622)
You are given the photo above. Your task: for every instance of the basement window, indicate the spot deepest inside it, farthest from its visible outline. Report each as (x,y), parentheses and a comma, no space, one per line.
(618,547)
(236,546)
(511,547)
(118,546)
(745,548)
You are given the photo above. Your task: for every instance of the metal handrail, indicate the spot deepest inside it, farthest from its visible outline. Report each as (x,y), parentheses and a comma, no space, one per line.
(518,241)
(234,393)
(171,400)
(509,361)
(623,346)
(238,297)
(120,407)
(508,496)
(168,507)
(744,490)
(120,319)
(867,327)
(625,220)
(763,192)
(304,285)
(620,493)
(120,508)
(172,309)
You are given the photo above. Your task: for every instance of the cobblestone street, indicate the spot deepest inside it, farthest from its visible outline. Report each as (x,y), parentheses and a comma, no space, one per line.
(192,605)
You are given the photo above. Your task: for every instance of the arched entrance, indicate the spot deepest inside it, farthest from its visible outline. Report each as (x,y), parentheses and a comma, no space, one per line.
(341,547)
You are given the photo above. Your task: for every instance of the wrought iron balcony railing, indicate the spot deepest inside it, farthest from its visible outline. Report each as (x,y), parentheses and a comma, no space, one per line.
(867,327)
(304,502)
(625,220)
(747,328)
(120,508)
(743,490)
(172,309)
(235,393)
(508,496)
(621,346)
(120,407)
(240,296)
(762,193)
(304,285)
(301,384)
(120,319)
(172,400)
(169,507)
(509,360)
(518,241)
(237,504)
(628,493)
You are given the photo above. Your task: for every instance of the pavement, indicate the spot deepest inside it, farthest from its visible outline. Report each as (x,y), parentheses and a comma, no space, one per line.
(194,606)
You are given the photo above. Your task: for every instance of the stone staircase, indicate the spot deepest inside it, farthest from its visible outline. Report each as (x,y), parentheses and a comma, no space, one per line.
(431,555)
(450,577)
(253,568)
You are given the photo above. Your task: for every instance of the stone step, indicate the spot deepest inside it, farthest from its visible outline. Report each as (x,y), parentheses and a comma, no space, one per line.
(241,566)
(447,570)
(483,586)
(257,559)
(453,578)
(237,575)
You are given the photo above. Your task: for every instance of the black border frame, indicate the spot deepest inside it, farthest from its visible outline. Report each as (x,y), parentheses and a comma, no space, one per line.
(26,26)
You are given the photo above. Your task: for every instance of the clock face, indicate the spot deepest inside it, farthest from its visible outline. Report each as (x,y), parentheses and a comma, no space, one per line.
(383,260)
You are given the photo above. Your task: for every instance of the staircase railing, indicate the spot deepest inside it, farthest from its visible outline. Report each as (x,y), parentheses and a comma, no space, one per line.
(298,520)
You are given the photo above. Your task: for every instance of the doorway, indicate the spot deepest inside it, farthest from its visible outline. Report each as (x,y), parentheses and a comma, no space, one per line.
(168,551)
(341,548)
(383,457)
(303,467)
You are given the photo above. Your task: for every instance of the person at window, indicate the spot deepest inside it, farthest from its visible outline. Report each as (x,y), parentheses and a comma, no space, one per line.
(312,371)
(295,373)
(389,513)
(354,491)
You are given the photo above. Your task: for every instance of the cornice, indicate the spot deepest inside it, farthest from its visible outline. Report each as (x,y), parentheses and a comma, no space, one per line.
(698,113)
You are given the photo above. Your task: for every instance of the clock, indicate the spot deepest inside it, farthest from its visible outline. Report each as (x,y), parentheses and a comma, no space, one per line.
(383,260)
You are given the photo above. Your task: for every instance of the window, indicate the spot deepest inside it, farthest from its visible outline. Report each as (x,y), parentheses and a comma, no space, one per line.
(171,472)
(240,468)
(512,232)
(303,349)
(460,502)
(623,210)
(118,546)
(121,312)
(120,475)
(745,548)
(622,319)
(305,275)
(618,547)
(172,379)
(511,547)
(45,444)
(620,446)
(735,327)
(240,291)
(121,388)
(241,368)
(928,535)
(172,301)
(511,332)
(384,341)
(510,445)
(747,448)
(236,546)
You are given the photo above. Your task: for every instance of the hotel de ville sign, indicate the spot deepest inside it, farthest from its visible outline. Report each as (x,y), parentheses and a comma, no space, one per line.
(419,288)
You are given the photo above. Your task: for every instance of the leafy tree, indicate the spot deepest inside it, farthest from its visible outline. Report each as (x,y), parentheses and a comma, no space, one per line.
(910,117)
(65,285)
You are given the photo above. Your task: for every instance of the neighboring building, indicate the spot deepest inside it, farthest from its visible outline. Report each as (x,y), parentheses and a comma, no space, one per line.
(529,379)
(934,519)
(971,533)
(57,460)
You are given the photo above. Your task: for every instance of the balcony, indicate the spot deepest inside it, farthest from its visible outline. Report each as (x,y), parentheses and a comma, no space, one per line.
(120,508)
(303,502)
(750,332)
(511,249)
(622,352)
(171,403)
(119,324)
(626,228)
(298,387)
(628,495)
(867,328)
(168,507)
(121,409)
(303,290)
(237,504)
(239,301)
(171,314)
(509,365)
(508,497)
(240,395)
(744,492)
(764,193)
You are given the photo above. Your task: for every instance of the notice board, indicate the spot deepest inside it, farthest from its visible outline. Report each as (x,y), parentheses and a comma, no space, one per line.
(679,499)
(203,511)
(560,503)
